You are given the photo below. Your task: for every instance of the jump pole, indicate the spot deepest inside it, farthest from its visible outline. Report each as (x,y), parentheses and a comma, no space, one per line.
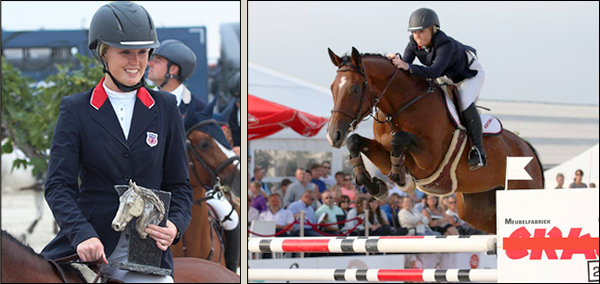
(375,275)
(383,244)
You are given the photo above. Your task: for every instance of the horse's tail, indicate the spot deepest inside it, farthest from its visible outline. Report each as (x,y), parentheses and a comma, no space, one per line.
(539,162)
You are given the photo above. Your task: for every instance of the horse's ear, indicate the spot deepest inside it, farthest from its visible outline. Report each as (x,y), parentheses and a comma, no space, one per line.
(337,61)
(355,57)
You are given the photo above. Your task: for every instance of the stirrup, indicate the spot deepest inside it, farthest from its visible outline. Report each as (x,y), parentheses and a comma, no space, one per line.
(481,161)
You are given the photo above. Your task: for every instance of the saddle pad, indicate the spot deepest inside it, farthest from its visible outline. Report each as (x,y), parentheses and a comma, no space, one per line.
(491,125)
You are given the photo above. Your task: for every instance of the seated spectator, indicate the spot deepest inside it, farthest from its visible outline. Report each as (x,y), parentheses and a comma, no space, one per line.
(577,182)
(336,192)
(345,205)
(304,205)
(395,207)
(358,211)
(259,200)
(592,185)
(438,220)
(283,217)
(316,171)
(560,180)
(329,211)
(463,227)
(296,189)
(326,176)
(414,221)
(378,221)
(282,188)
(348,188)
(259,174)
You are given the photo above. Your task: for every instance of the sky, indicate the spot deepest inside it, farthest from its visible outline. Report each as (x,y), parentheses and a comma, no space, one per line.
(35,15)
(530,51)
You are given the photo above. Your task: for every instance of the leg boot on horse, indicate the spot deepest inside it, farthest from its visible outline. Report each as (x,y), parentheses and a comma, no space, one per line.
(477,156)
(356,145)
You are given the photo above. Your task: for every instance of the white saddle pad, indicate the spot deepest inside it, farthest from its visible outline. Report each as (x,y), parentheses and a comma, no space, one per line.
(491,125)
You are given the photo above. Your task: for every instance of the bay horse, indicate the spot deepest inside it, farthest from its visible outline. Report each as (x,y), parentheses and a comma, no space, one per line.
(211,165)
(21,264)
(412,134)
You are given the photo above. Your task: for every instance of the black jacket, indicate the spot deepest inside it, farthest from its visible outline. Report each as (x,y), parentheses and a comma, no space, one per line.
(88,144)
(446,56)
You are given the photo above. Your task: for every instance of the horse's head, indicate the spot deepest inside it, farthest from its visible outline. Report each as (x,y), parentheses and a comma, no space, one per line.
(211,160)
(131,204)
(355,92)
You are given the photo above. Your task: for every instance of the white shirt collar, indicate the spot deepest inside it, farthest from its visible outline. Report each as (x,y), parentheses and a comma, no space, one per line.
(178,93)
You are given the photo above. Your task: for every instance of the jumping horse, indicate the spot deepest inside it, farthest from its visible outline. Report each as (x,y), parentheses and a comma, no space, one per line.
(212,234)
(20,264)
(415,139)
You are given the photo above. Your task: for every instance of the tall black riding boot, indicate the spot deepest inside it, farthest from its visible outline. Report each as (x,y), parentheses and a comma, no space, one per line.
(477,156)
(232,249)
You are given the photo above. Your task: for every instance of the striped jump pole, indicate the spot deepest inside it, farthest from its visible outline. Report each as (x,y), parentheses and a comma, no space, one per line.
(383,244)
(375,275)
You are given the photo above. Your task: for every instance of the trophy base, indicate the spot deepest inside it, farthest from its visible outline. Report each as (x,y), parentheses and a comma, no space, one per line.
(145,269)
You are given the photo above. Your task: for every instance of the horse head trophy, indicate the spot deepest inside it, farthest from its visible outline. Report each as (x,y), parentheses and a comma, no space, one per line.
(140,202)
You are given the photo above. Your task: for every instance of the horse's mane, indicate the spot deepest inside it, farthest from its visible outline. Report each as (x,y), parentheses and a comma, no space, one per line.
(19,243)
(150,196)
(346,59)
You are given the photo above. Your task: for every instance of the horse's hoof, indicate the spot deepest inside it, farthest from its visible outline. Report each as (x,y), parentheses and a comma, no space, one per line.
(383,189)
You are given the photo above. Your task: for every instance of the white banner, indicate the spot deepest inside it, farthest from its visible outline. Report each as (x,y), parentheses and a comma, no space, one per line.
(548,235)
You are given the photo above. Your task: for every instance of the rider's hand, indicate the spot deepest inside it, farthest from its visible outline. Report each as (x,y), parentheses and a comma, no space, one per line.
(391,55)
(91,249)
(163,236)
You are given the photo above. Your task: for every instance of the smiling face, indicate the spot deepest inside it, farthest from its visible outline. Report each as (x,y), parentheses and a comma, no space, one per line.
(126,65)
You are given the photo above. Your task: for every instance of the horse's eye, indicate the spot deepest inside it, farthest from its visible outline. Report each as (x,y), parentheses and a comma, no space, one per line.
(356,89)
(203,145)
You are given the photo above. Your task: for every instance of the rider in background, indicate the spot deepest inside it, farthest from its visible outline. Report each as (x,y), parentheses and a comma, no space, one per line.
(444,56)
(172,63)
(115,132)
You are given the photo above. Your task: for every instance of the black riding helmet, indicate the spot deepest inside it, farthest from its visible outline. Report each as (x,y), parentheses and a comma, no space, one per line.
(176,52)
(422,19)
(125,25)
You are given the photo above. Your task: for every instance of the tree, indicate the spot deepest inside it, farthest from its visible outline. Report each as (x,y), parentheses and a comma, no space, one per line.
(30,111)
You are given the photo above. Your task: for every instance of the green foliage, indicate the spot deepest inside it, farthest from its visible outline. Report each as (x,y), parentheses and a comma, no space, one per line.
(29,112)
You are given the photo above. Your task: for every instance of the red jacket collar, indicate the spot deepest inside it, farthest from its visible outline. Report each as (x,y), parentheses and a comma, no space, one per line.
(99,96)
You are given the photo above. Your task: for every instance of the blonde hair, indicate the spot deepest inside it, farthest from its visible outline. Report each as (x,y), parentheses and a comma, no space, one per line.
(102,48)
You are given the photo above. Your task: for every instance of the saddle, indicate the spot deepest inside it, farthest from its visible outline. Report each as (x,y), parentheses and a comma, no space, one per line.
(443,181)
(89,271)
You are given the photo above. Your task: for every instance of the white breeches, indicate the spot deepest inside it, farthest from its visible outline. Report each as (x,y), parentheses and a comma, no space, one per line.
(470,88)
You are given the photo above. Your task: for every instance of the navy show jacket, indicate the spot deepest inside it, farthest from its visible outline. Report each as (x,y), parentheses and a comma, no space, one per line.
(89,144)
(446,56)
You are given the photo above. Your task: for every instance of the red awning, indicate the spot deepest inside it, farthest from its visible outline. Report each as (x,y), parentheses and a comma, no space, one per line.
(266,118)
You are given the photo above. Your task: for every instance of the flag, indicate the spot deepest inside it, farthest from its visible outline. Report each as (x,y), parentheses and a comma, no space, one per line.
(515,168)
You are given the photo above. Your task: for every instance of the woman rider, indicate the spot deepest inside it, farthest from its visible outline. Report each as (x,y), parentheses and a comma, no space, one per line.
(445,56)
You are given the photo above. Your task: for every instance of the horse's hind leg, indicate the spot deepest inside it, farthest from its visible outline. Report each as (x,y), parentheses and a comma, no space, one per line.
(379,156)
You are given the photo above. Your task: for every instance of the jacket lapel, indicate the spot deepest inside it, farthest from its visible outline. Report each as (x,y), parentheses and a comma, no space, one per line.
(106,117)
(144,113)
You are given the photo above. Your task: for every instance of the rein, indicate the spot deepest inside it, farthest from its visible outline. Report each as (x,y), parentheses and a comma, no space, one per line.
(68,260)
(374,101)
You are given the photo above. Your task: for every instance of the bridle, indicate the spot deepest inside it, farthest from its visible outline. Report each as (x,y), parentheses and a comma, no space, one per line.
(358,117)
(214,174)
(212,189)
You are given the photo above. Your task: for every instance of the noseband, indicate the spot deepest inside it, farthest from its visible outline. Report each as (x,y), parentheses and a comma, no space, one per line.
(358,117)
(216,180)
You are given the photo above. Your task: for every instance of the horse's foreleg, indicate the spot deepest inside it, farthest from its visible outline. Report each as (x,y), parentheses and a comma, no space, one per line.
(400,142)
(357,144)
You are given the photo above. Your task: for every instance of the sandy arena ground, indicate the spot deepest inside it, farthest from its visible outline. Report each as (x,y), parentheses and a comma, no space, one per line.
(19,211)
